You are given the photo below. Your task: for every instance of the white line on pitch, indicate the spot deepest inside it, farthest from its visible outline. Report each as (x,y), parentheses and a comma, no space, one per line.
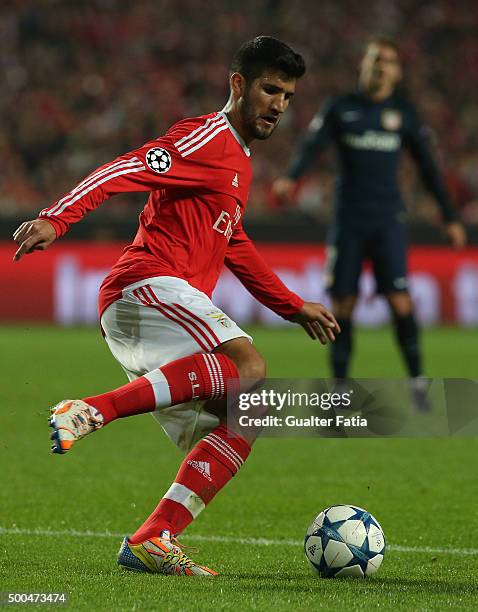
(226,540)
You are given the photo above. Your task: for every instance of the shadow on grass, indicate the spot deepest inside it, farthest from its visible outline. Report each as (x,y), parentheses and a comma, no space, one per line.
(295,582)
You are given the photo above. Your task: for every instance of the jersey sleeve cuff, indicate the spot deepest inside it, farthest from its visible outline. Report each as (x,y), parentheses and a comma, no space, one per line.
(293,307)
(58,225)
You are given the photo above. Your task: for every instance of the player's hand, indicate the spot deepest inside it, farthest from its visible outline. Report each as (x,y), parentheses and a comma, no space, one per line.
(283,188)
(36,235)
(317,321)
(456,234)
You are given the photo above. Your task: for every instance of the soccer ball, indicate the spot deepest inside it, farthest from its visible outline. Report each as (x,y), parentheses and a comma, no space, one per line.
(344,541)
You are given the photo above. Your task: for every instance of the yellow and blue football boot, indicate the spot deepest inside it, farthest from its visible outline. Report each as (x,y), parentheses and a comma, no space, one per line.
(160,555)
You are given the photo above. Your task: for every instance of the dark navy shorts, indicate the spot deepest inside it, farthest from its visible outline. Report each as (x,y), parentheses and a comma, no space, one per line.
(349,246)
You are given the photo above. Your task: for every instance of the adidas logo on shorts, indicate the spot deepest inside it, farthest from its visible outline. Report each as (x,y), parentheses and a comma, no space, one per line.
(202,467)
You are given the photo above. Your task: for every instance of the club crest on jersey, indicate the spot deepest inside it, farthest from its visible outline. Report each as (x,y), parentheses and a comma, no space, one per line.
(159,160)
(391,119)
(220,317)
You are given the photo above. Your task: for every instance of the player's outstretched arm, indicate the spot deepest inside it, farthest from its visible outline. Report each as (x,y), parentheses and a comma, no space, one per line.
(317,321)
(36,235)
(158,164)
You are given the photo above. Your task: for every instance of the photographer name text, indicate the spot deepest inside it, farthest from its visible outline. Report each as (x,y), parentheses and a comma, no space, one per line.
(303,422)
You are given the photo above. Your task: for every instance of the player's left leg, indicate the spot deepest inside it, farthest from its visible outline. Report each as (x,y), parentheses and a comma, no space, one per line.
(208,467)
(390,266)
(406,331)
(205,471)
(389,257)
(408,338)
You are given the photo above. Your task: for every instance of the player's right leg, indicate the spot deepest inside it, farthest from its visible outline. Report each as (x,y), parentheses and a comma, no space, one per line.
(345,253)
(161,332)
(198,377)
(72,420)
(341,350)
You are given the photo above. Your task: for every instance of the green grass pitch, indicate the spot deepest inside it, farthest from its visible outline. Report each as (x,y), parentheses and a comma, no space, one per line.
(61,517)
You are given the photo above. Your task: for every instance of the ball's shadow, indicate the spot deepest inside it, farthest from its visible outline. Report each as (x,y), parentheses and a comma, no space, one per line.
(298,582)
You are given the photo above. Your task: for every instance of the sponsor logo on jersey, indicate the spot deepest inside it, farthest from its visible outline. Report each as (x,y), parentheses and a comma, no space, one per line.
(203,467)
(158,159)
(372,140)
(391,119)
(235,181)
(220,317)
(224,224)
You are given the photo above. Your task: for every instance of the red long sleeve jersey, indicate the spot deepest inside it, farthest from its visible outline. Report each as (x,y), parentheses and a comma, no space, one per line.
(198,175)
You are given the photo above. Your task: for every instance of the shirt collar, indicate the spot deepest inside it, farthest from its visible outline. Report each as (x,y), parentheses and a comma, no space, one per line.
(236,134)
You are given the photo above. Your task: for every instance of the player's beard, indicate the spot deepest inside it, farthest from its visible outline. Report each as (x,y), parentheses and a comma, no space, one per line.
(251,120)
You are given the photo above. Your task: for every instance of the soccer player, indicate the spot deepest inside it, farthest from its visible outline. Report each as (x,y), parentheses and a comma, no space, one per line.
(370,127)
(181,353)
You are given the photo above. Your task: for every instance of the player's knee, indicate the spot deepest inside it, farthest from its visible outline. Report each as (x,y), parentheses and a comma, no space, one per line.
(253,368)
(249,362)
(343,306)
(400,303)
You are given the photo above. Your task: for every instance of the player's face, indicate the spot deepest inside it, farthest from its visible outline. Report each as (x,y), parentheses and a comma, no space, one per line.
(380,68)
(263,102)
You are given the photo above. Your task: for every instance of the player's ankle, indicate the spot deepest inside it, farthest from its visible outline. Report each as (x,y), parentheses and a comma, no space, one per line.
(104,406)
(154,531)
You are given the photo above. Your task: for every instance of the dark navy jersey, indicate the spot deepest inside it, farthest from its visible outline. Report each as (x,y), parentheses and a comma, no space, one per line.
(369,137)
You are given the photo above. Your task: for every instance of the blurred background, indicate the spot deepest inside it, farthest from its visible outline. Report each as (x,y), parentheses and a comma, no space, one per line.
(85,81)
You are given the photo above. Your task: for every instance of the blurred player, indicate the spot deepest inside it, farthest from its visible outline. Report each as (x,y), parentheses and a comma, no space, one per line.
(369,128)
(181,353)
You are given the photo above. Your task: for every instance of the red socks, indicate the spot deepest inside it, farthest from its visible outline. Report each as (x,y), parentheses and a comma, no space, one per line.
(212,462)
(197,377)
(204,472)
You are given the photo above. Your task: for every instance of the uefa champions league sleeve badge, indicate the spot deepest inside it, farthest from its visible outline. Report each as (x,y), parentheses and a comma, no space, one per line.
(158,159)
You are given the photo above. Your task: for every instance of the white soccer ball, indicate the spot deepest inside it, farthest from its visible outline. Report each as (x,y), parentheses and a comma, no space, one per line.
(344,541)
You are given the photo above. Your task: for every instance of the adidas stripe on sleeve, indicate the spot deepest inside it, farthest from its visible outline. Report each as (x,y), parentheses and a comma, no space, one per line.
(158,164)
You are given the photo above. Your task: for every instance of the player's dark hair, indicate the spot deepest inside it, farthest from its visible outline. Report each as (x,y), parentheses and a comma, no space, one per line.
(382,41)
(267,53)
